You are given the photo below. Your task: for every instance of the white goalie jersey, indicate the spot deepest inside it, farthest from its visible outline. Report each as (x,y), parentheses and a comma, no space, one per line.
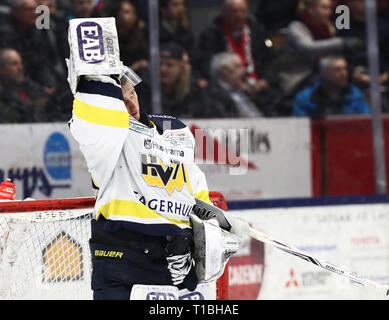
(145,172)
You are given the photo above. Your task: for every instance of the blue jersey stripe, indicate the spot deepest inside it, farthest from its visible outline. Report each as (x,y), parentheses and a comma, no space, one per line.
(155,230)
(98,87)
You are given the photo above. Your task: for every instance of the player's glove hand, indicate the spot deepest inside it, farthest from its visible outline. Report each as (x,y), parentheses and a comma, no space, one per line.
(179,267)
(179,258)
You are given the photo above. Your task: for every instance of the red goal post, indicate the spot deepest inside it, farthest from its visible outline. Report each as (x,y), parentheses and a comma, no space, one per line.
(55,235)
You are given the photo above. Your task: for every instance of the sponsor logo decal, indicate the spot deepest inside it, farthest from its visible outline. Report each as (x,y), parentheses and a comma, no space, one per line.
(171,176)
(90,42)
(246,271)
(149,144)
(192,296)
(160,296)
(166,206)
(141,129)
(57,156)
(56,173)
(292,282)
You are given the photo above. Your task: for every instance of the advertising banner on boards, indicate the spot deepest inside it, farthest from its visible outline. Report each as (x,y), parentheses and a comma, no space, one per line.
(247,159)
(353,237)
(243,159)
(44,162)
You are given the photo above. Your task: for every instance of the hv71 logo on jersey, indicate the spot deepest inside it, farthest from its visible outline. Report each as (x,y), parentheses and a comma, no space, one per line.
(169,176)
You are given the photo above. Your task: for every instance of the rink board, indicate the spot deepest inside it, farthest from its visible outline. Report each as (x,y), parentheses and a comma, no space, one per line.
(44,160)
(353,236)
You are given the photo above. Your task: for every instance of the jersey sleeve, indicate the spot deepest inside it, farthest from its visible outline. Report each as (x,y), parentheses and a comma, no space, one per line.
(200,186)
(99,124)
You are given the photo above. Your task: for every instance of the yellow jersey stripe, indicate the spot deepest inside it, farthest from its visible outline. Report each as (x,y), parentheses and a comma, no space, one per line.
(102,116)
(203,195)
(136,210)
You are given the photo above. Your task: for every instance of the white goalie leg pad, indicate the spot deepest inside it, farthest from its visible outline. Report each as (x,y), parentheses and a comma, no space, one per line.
(203,291)
(213,247)
(150,292)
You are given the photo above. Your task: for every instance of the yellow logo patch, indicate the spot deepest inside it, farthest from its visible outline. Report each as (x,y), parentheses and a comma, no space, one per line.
(170,177)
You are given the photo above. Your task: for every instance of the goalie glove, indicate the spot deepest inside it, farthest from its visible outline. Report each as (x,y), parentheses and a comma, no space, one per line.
(213,247)
(226,221)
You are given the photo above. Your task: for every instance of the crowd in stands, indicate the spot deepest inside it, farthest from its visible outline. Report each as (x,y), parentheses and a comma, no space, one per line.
(280,59)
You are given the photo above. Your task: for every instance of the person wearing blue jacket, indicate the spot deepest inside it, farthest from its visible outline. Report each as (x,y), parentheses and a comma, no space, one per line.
(331,93)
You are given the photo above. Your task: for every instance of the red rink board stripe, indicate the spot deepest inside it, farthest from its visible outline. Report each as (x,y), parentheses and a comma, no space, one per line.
(46,205)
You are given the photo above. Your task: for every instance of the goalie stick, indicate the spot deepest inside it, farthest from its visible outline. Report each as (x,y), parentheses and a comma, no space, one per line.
(235,225)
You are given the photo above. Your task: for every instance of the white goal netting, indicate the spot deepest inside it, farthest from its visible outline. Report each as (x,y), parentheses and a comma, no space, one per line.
(45,254)
(44,250)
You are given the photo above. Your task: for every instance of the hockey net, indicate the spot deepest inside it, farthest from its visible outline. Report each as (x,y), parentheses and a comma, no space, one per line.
(44,249)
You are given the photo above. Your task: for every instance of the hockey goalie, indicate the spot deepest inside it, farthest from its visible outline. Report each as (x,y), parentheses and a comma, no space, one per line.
(145,241)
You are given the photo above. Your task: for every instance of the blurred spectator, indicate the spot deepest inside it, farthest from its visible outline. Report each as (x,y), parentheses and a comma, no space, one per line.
(180,96)
(73,9)
(62,5)
(236,31)
(304,3)
(332,93)
(225,91)
(314,35)
(174,25)
(81,9)
(132,33)
(22,100)
(307,39)
(4,13)
(316,17)
(383,8)
(99,7)
(358,58)
(276,15)
(22,34)
(54,37)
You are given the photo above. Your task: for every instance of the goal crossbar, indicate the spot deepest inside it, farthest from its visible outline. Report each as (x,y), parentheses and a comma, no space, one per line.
(46,205)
